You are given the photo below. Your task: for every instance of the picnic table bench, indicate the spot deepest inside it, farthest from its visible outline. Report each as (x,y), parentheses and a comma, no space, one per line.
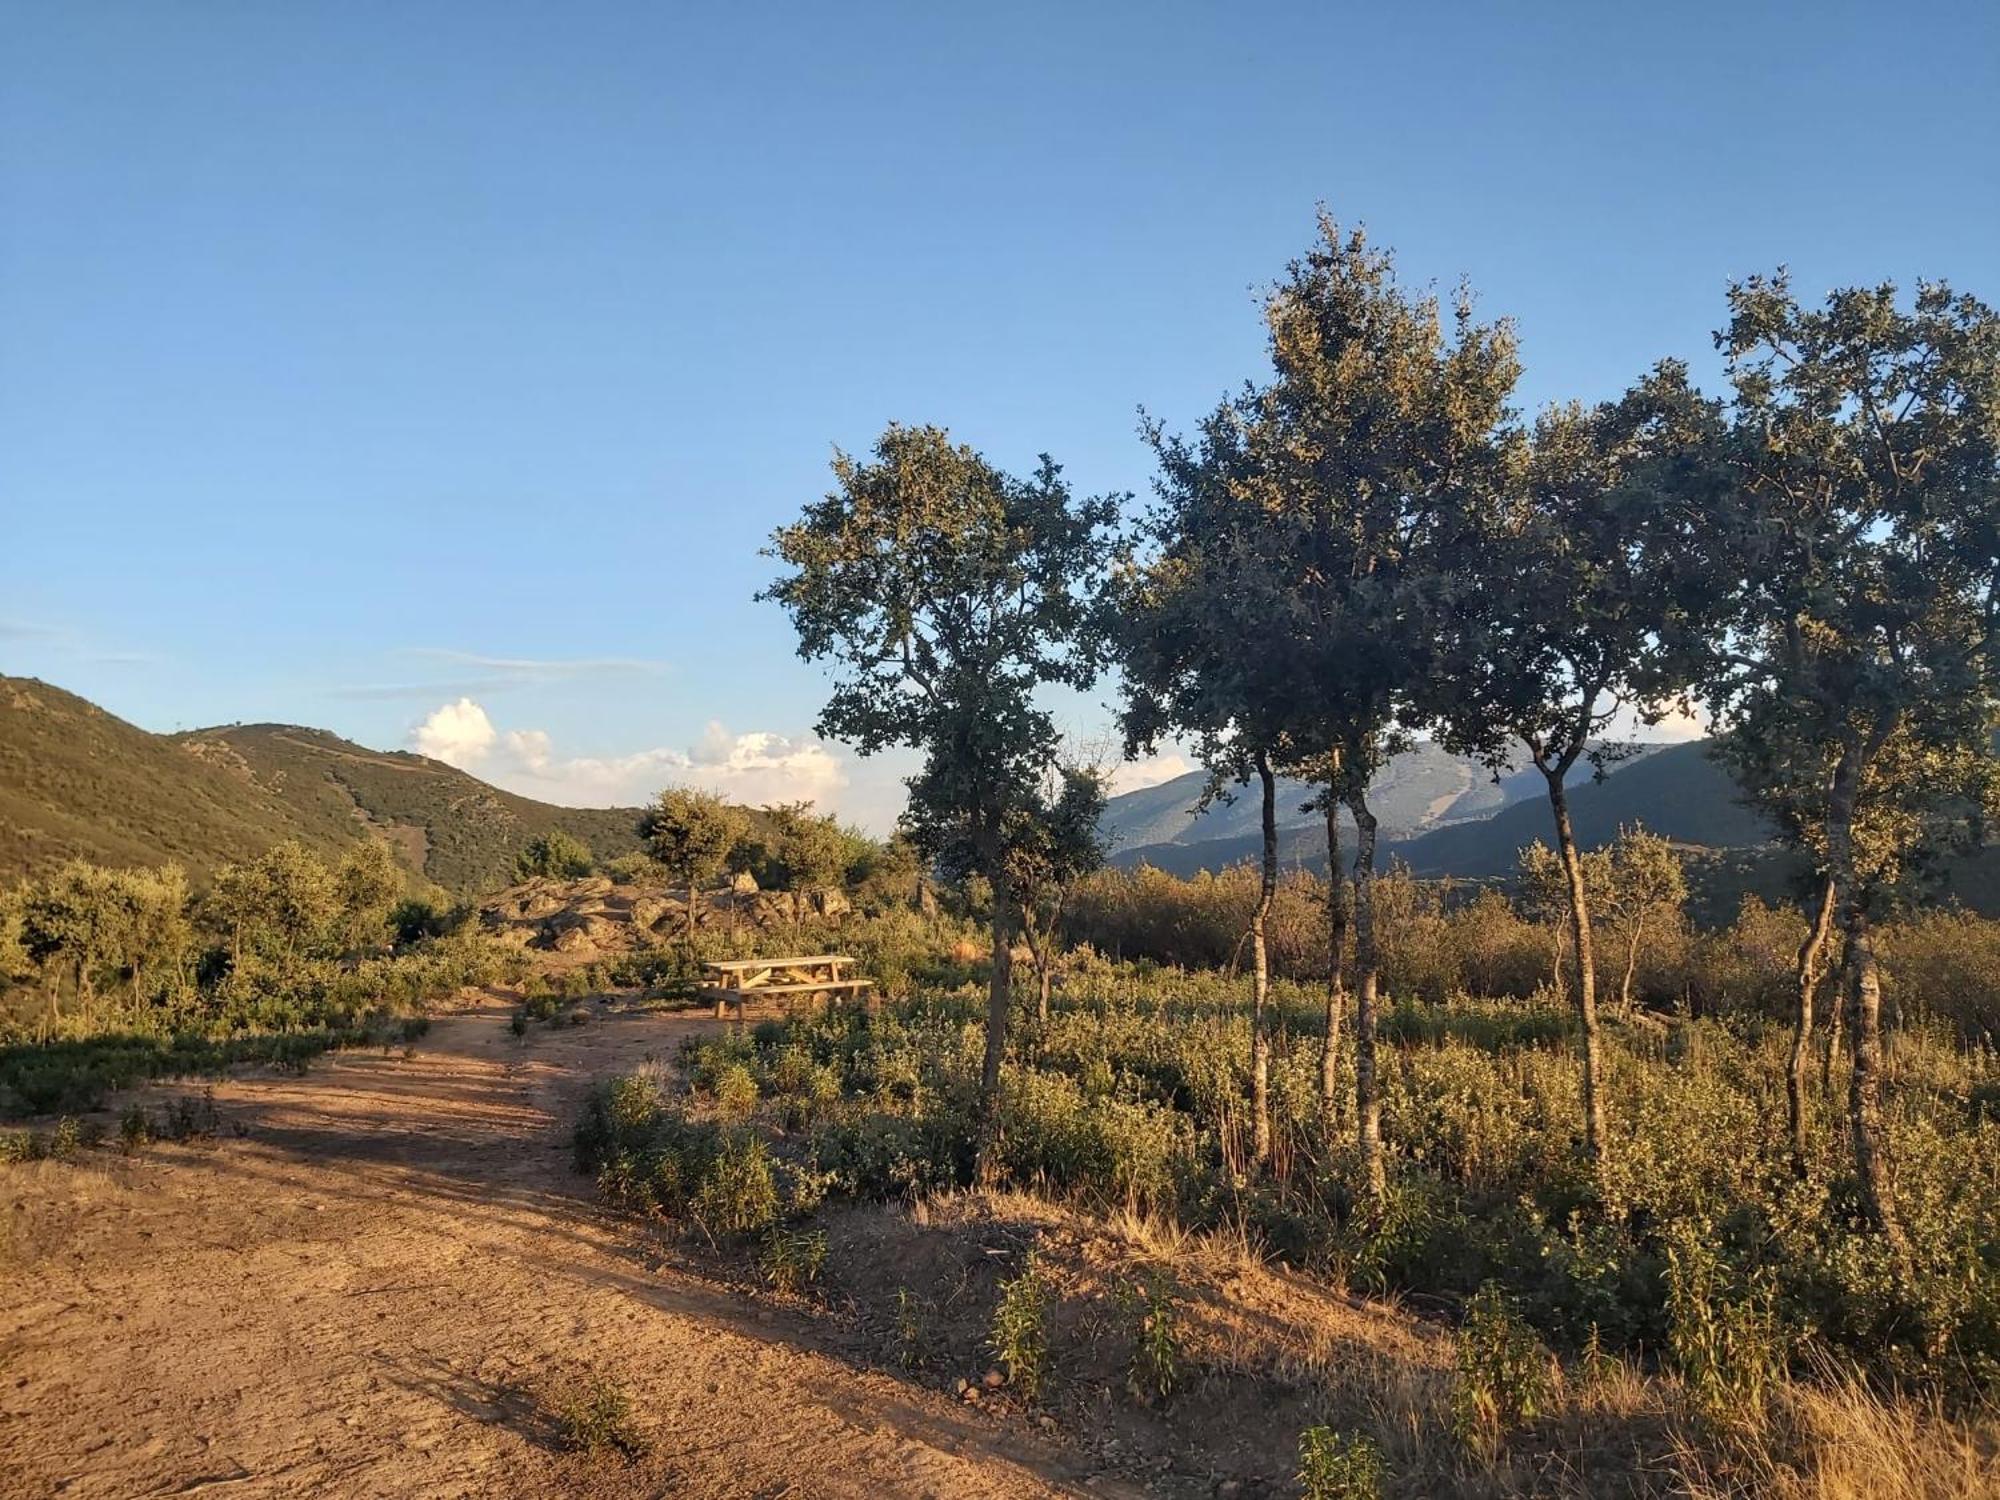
(737,980)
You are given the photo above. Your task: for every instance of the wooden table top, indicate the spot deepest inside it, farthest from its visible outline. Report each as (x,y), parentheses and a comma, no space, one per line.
(731,965)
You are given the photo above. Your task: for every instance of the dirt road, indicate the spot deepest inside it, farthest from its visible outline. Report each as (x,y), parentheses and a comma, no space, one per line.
(372,1291)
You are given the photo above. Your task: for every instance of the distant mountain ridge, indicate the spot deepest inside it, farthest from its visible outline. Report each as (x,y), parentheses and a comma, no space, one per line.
(76,781)
(1675,790)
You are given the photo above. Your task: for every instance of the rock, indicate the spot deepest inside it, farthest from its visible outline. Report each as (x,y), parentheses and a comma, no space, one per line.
(540,904)
(831,904)
(743,883)
(596,885)
(994,1380)
(648,912)
(573,940)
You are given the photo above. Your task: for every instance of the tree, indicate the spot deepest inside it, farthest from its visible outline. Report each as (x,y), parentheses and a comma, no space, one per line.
(1860,485)
(555,855)
(1374,417)
(1053,842)
(946,593)
(370,882)
(693,834)
(1197,635)
(1643,887)
(1567,603)
(799,852)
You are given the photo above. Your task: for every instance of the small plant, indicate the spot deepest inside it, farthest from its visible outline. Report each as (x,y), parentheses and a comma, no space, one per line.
(1503,1373)
(595,1416)
(913,1338)
(66,1140)
(20,1145)
(735,1088)
(1724,1342)
(793,1258)
(1156,1348)
(192,1117)
(519,1024)
(135,1128)
(739,1193)
(1019,1337)
(1339,1465)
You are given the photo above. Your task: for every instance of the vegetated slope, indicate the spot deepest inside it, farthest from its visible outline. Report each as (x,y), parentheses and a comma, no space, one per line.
(76,781)
(464,832)
(1675,790)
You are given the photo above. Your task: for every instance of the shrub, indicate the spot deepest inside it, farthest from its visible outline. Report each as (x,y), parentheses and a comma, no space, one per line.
(1339,1466)
(1503,1373)
(1154,1367)
(595,1415)
(1019,1335)
(793,1258)
(554,855)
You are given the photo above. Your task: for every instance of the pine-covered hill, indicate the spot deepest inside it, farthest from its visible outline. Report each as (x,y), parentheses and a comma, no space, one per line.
(77,781)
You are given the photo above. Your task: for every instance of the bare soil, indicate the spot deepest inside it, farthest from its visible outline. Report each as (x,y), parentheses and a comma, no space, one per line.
(380,1276)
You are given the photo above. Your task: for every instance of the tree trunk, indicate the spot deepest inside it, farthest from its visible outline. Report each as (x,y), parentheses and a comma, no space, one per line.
(1864,1084)
(1260,958)
(1594,1140)
(999,999)
(1336,938)
(694,902)
(1367,981)
(1631,962)
(1812,953)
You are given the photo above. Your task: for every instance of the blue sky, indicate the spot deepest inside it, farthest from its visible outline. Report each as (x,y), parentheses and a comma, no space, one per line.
(363,359)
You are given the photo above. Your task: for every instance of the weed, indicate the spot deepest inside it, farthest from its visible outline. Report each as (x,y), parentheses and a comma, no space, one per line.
(1339,1466)
(595,1416)
(1503,1373)
(135,1128)
(793,1258)
(1019,1336)
(913,1330)
(66,1140)
(1154,1367)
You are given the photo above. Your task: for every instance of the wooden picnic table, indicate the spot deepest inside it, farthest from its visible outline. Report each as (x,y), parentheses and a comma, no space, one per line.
(739,980)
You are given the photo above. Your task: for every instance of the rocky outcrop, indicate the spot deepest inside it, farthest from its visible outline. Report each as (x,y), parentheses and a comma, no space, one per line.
(597,916)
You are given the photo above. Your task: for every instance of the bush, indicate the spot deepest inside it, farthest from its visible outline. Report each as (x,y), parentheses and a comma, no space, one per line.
(555,855)
(1019,1336)
(1339,1466)
(595,1415)
(1503,1373)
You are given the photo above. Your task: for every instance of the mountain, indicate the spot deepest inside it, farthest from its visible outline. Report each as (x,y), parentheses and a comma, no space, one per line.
(1675,790)
(77,781)
(1419,789)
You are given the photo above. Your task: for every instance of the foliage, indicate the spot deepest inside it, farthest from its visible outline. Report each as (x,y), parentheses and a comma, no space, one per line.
(1339,1466)
(691,834)
(554,855)
(594,1415)
(1503,1372)
(1019,1336)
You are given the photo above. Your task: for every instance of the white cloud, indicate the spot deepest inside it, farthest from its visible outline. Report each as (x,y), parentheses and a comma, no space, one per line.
(459,734)
(1131,776)
(758,767)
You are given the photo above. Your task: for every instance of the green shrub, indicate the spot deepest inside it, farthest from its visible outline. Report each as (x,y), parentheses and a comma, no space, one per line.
(1019,1335)
(793,1258)
(594,1415)
(554,855)
(1339,1466)
(1503,1373)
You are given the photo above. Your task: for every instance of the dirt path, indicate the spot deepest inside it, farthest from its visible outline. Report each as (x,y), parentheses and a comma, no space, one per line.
(365,1294)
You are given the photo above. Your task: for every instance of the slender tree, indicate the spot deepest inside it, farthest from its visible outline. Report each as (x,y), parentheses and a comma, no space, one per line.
(947,593)
(1566,605)
(1054,840)
(1858,683)
(1376,414)
(1202,649)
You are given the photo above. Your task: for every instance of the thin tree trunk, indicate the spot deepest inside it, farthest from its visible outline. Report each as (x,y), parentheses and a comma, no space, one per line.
(1594,1137)
(1260,958)
(694,900)
(1367,980)
(999,999)
(1864,1085)
(1812,954)
(1336,939)
(1631,962)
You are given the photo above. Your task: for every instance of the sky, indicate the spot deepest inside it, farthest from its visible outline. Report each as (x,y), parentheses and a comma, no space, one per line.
(434,373)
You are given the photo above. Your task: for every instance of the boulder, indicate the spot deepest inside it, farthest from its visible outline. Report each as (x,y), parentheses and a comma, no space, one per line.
(743,883)
(831,903)
(648,912)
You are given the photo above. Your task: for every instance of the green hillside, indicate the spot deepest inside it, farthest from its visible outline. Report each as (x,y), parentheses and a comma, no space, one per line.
(77,781)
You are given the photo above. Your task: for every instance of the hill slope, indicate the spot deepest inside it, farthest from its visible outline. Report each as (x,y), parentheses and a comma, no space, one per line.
(77,781)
